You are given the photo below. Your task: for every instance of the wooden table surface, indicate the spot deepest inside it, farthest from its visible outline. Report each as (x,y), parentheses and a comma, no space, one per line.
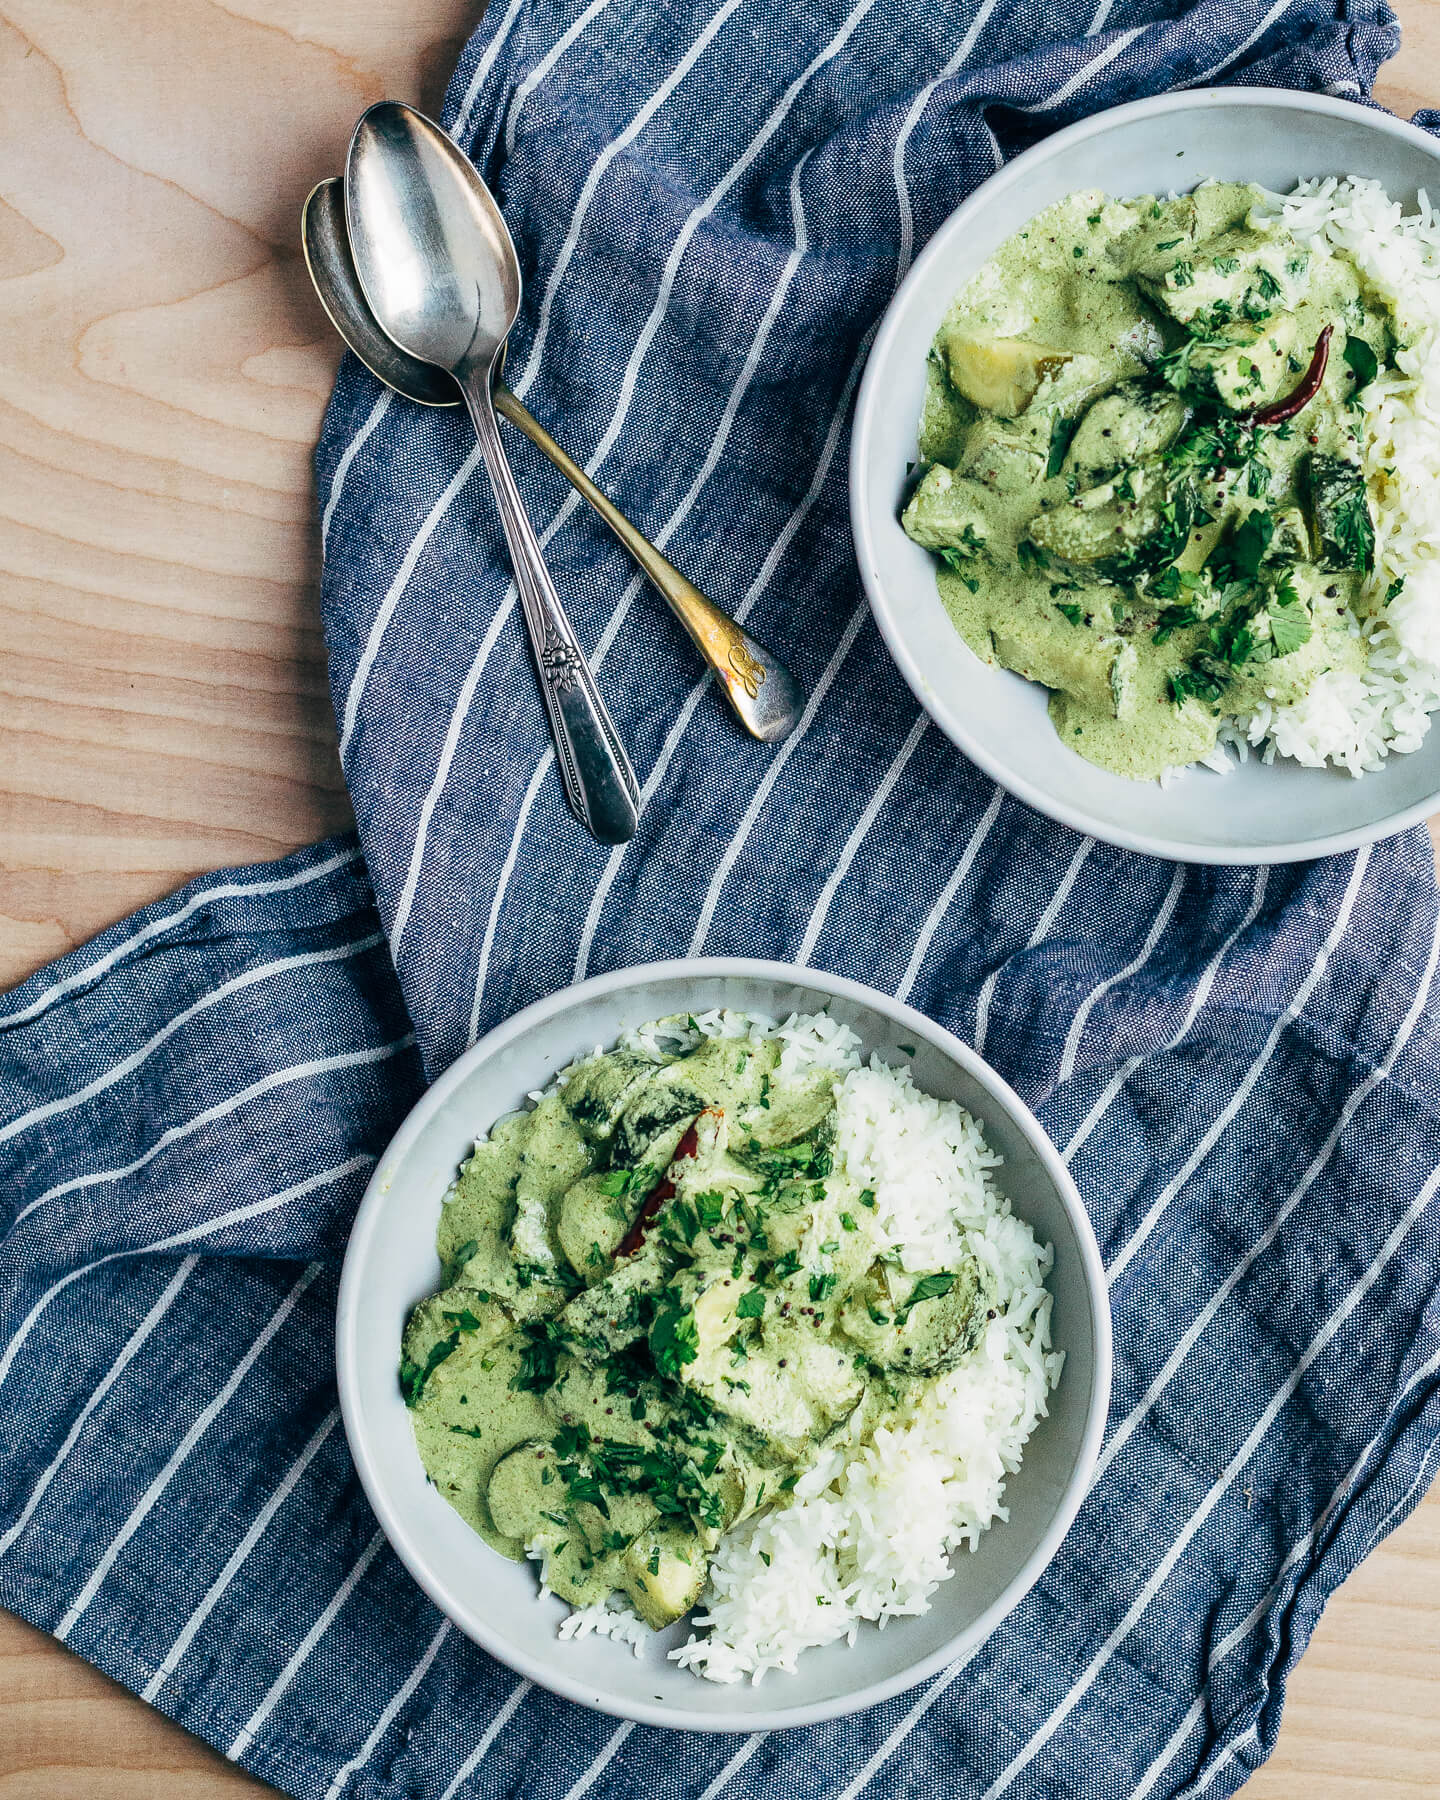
(163,368)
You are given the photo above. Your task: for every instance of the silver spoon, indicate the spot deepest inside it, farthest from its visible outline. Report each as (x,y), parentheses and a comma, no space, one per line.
(766,697)
(439,270)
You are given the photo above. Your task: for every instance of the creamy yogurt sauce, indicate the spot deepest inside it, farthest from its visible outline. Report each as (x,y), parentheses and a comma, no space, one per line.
(1141,446)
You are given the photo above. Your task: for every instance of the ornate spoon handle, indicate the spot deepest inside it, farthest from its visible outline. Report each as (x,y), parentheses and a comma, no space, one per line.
(766,697)
(599,782)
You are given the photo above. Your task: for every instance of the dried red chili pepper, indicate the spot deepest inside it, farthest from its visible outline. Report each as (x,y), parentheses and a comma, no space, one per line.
(1302,394)
(662,1191)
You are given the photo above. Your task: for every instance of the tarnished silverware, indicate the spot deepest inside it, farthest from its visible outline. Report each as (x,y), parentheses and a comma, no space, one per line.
(766,697)
(439,269)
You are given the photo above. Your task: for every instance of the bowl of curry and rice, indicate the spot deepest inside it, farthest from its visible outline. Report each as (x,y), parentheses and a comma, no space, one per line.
(1144,476)
(723,1345)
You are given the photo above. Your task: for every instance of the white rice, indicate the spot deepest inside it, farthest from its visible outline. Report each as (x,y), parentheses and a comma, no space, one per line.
(1355,720)
(868,1531)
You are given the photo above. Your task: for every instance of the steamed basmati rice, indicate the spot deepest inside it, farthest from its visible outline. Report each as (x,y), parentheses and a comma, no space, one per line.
(868,1531)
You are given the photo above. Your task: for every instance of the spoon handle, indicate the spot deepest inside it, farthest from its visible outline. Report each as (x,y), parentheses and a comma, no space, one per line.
(599,782)
(766,697)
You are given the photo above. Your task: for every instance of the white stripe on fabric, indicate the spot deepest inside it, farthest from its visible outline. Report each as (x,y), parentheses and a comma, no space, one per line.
(1300,1549)
(947,894)
(116,1370)
(547,62)
(601,1762)
(1097,993)
(742,612)
(1242,1093)
(1037,936)
(1242,1456)
(342,468)
(1197,1001)
(912,1718)
(520,388)
(322,1065)
(1102,13)
(772,775)
(259,1526)
(1280,6)
(856,838)
(736,1763)
(597,173)
(733,402)
(1093,67)
(542,769)
(482,1749)
(387,1718)
(1124,1431)
(461,128)
(617,422)
(127,1065)
(912,119)
(200,1425)
(380,623)
(225,890)
(622,608)
(236,1216)
(246,1735)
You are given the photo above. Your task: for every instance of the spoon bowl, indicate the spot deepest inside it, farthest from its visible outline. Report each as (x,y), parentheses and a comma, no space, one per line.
(325,240)
(434,256)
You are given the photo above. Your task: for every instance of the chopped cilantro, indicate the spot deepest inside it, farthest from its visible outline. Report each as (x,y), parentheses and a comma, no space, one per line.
(1289,627)
(1061,432)
(539,1355)
(413,1376)
(1183,275)
(673,1338)
(1194,684)
(928,1287)
(1068,609)
(752,1304)
(1364,364)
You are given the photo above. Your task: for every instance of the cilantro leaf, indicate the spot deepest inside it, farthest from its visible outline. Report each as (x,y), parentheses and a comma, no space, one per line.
(673,1338)
(413,1375)
(1364,363)
(1289,627)
(752,1304)
(928,1287)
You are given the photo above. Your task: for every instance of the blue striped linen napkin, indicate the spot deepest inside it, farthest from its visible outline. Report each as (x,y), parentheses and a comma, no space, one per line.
(1240,1065)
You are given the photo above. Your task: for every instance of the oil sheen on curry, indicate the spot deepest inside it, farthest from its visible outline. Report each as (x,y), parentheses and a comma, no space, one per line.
(1141,466)
(662,1298)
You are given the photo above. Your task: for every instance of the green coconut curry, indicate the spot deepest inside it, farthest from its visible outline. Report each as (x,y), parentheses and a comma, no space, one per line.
(1141,467)
(662,1296)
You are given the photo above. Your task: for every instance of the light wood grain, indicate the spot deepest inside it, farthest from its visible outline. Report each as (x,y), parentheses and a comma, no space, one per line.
(162,690)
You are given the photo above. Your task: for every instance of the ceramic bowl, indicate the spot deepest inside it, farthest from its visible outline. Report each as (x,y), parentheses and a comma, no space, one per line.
(391,1263)
(1280,813)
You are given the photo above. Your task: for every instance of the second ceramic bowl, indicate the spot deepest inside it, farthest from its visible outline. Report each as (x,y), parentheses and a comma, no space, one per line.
(1280,813)
(391,1263)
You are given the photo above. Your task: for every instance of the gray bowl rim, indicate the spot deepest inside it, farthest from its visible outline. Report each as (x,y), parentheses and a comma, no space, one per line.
(871,400)
(350,1312)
